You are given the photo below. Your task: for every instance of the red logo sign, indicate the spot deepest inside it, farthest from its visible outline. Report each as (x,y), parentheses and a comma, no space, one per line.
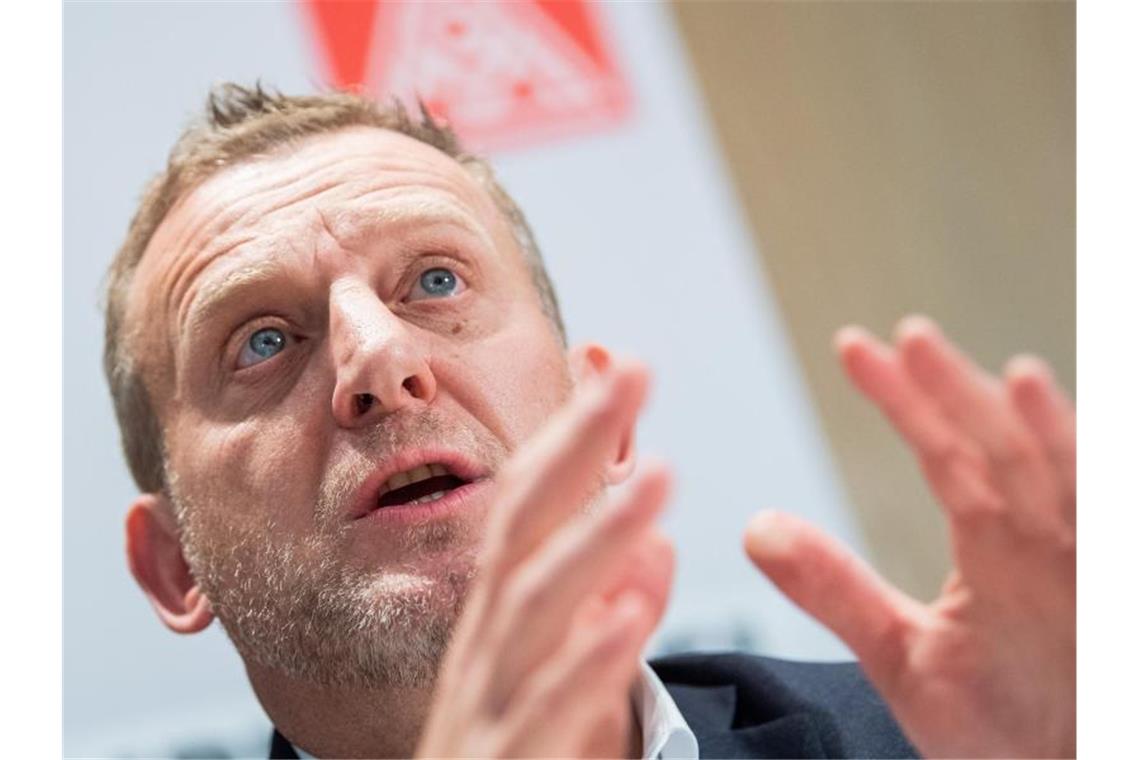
(501,73)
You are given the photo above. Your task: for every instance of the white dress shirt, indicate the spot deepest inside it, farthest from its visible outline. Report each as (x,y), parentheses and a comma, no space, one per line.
(664,732)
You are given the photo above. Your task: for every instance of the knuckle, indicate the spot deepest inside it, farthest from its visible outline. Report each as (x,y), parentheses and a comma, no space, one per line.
(947,455)
(951,470)
(979,508)
(1010,449)
(964,490)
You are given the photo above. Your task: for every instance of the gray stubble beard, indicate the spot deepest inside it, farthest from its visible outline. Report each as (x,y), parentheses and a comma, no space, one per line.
(297,608)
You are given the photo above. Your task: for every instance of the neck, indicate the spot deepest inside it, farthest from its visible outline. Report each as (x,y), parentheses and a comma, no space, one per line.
(355,722)
(338,721)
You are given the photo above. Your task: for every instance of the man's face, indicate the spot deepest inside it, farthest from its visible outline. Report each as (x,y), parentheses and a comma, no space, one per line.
(316,327)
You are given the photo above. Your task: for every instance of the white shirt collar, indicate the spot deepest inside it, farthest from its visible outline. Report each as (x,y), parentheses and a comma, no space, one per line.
(664,732)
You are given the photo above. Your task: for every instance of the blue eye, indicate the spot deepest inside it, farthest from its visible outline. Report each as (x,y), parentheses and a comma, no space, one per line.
(439,283)
(263,344)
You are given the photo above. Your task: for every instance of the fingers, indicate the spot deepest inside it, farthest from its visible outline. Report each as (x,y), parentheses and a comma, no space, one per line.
(557,472)
(954,466)
(548,561)
(541,597)
(642,584)
(547,631)
(976,404)
(837,588)
(1051,416)
(579,684)
(981,451)
(876,371)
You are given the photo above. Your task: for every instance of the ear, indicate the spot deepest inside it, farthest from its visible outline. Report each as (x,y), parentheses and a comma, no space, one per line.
(589,361)
(154,554)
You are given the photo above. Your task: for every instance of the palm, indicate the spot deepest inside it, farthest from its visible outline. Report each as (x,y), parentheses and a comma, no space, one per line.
(989,667)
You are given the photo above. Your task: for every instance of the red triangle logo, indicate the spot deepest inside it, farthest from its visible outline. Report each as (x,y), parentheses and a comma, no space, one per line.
(344,31)
(577,21)
(502,73)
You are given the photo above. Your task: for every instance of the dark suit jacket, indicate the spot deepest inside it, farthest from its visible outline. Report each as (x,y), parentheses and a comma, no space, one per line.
(745,706)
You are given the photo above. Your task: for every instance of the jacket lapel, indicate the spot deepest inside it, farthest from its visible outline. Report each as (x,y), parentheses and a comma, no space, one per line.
(279,747)
(724,730)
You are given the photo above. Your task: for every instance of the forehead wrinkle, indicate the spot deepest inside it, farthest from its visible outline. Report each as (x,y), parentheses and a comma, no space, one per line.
(331,178)
(184,275)
(145,314)
(350,215)
(230,219)
(257,179)
(214,212)
(360,220)
(257,195)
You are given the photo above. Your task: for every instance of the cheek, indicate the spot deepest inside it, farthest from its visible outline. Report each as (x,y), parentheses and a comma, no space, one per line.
(510,381)
(255,470)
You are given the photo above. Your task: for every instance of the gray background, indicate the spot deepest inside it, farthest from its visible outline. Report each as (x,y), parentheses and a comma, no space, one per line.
(646,245)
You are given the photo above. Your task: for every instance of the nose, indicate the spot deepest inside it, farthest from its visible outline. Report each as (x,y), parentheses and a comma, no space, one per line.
(381,367)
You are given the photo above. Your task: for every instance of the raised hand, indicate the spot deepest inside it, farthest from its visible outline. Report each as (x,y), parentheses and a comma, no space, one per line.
(543,658)
(988,668)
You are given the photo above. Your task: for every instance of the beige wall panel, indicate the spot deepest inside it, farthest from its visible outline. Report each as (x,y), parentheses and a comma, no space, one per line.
(892,158)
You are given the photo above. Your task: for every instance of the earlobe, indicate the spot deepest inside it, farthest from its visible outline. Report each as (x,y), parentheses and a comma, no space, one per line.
(589,361)
(157,563)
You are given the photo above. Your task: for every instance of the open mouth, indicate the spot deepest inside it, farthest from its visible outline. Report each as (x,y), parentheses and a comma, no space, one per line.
(419,485)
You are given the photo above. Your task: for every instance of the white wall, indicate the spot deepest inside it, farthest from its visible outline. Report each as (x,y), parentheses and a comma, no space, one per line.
(646,245)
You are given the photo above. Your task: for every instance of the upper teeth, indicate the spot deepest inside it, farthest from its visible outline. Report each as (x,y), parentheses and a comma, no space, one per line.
(415,475)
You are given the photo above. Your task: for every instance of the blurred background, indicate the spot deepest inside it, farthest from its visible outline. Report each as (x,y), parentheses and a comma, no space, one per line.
(896,157)
(717,187)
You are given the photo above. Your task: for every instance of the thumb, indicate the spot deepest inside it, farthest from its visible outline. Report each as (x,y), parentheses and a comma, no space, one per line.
(834,586)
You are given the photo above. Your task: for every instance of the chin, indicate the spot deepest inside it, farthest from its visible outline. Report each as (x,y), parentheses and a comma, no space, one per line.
(427,579)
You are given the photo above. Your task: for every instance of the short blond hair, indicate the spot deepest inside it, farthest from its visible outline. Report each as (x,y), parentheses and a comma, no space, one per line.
(241,123)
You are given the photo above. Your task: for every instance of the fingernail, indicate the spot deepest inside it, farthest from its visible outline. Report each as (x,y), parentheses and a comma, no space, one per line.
(1028,364)
(849,334)
(916,324)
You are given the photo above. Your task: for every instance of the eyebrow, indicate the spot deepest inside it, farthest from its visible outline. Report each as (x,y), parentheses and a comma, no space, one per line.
(220,292)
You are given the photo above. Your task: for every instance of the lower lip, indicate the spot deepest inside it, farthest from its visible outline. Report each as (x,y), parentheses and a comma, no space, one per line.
(455,501)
